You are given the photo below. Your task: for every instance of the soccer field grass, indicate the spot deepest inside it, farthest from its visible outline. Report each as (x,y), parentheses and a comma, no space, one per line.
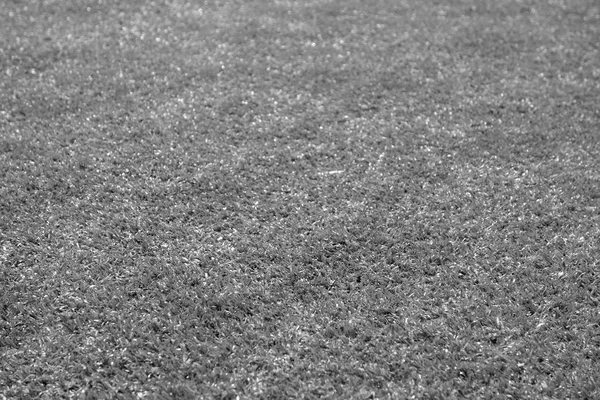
(310,199)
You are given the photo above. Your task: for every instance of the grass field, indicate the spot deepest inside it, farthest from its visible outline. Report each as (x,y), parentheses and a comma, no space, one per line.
(300,199)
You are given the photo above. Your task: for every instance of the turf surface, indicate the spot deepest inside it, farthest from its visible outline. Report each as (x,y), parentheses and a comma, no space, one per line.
(300,199)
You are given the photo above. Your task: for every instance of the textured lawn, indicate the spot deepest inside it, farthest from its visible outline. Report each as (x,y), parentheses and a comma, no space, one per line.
(300,199)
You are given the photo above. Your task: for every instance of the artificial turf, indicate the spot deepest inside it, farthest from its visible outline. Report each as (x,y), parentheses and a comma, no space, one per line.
(300,199)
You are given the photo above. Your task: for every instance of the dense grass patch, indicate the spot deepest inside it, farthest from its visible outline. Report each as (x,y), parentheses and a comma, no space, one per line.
(299,199)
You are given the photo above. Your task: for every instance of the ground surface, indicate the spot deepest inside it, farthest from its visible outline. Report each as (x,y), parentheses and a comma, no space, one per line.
(300,199)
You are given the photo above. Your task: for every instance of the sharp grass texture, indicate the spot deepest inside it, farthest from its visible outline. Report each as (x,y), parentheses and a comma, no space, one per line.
(300,199)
